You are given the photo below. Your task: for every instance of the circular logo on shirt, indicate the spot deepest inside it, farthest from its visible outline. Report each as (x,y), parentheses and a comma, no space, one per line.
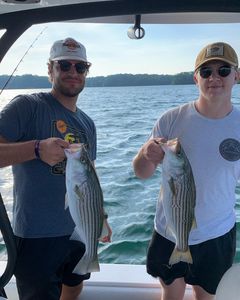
(230,149)
(61,126)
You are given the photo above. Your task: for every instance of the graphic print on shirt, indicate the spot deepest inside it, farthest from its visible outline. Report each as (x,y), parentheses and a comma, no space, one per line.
(230,149)
(70,134)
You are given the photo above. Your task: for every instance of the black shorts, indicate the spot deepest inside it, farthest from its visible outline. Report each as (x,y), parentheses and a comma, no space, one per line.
(44,264)
(211,259)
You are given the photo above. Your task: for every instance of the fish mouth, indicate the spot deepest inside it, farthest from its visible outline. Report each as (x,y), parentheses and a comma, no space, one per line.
(75,147)
(174,145)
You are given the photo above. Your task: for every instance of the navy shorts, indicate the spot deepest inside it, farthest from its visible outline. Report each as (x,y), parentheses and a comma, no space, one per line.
(211,259)
(44,264)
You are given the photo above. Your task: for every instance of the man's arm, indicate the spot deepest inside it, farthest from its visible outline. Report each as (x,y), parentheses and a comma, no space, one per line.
(148,158)
(51,151)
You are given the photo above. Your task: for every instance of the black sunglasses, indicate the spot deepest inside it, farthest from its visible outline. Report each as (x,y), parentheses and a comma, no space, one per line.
(80,67)
(206,72)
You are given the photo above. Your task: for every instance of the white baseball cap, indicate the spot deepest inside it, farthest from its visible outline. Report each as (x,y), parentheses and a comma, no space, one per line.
(68,49)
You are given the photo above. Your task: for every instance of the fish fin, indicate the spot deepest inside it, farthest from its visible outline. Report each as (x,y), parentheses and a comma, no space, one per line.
(75,235)
(194,223)
(66,201)
(161,192)
(94,266)
(85,265)
(168,231)
(78,192)
(172,186)
(178,256)
(104,230)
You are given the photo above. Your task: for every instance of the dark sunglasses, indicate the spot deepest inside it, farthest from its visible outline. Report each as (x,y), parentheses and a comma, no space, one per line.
(223,71)
(80,67)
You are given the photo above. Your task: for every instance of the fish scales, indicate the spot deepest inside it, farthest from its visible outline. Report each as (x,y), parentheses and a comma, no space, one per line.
(85,201)
(181,213)
(178,194)
(90,209)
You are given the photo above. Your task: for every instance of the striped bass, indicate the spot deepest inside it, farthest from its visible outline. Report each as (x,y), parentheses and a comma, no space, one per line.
(178,194)
(85,201)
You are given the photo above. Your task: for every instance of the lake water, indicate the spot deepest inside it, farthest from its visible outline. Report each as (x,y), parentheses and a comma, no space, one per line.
(124,117)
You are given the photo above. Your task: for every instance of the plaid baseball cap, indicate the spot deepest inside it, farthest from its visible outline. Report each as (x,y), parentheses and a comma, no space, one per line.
(68,49)
(217,51)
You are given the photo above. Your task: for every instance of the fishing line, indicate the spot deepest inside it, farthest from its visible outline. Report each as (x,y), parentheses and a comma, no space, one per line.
(10,77)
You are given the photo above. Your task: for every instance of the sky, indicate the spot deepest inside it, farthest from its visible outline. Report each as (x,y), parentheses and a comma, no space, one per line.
(165,48)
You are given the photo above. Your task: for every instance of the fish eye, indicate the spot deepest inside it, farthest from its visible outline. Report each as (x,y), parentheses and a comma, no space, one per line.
(82,159)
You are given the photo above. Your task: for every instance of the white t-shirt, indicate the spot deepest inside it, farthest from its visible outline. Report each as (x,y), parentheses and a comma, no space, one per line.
(213,149)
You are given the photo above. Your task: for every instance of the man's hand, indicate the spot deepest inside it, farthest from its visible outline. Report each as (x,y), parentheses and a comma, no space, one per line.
(106,238)
(51,150)
(153,151)
(148,158)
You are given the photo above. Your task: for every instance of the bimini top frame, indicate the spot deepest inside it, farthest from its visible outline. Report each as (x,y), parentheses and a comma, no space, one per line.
(16,18)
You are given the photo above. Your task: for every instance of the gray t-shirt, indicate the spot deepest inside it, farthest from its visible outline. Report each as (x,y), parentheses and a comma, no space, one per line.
(212,147)
(39,189)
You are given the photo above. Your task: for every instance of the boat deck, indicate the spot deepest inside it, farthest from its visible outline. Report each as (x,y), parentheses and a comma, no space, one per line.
(115,282)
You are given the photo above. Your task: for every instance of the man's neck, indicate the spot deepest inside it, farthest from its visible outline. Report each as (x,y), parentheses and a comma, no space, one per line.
(213,110)
(68,102)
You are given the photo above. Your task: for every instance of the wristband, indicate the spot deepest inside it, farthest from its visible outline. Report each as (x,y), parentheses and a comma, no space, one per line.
(36,149)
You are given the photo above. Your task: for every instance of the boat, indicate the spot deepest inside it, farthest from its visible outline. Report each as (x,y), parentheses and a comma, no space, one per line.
(16,16)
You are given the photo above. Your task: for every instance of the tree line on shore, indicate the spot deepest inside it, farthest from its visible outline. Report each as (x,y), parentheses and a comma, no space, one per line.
(30,81)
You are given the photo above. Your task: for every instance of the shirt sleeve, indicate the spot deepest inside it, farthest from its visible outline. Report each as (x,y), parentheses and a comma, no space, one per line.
(15,119)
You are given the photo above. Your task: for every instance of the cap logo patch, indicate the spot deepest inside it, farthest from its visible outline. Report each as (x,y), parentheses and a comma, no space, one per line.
(215,51)
(71,44)
(66,49)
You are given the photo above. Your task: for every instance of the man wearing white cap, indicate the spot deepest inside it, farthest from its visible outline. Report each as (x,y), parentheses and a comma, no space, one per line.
(208,131)
(34,131)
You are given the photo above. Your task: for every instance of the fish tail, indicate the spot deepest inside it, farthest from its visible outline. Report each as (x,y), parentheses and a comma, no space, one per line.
(86,265)
(94,266)
(177,256)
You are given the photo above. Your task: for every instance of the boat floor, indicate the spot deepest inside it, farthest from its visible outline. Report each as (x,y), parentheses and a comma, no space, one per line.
(115,282)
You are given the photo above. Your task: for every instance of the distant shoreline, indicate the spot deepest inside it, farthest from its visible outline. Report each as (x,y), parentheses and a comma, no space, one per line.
(30,81)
